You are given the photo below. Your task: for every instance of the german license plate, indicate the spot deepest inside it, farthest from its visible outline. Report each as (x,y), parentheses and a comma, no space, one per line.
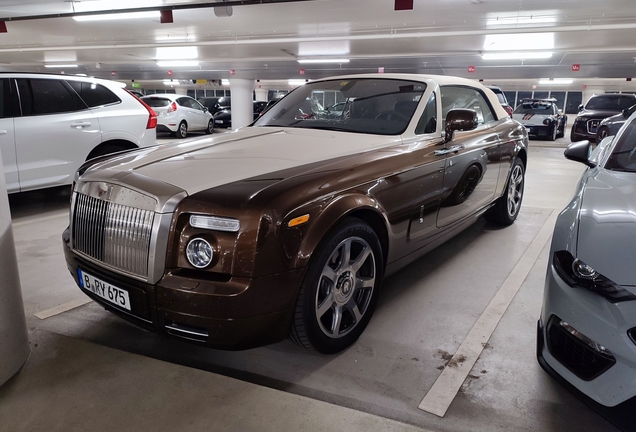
(108,292)
(218,121)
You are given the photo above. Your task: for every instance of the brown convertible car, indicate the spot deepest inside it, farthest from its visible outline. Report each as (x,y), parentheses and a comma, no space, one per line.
(287,227)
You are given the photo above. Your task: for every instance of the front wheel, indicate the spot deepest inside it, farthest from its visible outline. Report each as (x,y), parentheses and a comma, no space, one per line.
(340,290)
(553,132)
(506,208)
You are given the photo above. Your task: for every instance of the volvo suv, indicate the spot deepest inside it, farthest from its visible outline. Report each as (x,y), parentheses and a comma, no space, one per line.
(52,124)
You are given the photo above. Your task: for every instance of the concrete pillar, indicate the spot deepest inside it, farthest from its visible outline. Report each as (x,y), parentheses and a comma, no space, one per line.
(242,107)
(261,94)
(14,341)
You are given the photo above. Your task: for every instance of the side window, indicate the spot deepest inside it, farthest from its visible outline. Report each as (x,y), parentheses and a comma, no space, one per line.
(185,102)
(44,96)
(196,105)
(8,99)
(468,98)
(94,95)
(428,121)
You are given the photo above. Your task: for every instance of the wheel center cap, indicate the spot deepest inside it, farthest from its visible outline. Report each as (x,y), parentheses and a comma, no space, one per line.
(344,287)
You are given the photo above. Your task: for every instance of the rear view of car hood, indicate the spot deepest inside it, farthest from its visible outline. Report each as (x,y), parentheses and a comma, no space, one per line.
(607,227)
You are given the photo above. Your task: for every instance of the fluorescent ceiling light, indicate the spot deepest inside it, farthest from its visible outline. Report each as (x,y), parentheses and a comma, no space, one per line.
(177,63)
(326,60)
(225,82)
(555,81)
(60,66)
(296,82)
(519,42)
(118,16)
(525,55)
(539,18)
(177,53)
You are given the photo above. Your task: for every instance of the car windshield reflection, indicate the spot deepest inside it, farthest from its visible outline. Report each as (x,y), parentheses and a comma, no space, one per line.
(371,106)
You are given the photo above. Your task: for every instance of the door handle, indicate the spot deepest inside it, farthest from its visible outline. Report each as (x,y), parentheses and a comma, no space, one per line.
(453,149)
(3,132)
(80,125)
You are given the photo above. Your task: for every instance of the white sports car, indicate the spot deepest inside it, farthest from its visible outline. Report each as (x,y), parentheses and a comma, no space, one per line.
(587,330)
(541,118)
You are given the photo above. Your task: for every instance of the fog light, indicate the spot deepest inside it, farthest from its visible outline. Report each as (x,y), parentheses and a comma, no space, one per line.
(199,253)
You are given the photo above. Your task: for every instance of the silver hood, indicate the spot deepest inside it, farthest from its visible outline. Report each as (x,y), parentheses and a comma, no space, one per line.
(607,226)
(531,119)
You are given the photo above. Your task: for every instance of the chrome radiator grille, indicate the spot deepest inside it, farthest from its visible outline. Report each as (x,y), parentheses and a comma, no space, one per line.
(114,234)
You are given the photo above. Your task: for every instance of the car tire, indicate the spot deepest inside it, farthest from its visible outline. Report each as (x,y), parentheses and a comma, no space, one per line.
(553,132)
(601,134)
(182,130)
(338,296)
(561,134)
(506,208)
(210,128)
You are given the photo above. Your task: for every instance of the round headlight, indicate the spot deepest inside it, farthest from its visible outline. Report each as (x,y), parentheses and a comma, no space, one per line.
(583,270)
(199,253)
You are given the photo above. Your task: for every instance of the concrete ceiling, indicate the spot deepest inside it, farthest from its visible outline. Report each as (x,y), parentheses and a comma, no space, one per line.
(264,41)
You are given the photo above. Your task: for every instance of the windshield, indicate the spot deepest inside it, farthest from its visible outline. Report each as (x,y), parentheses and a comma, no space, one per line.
(361,105)
(535,108)
(623,157)
(610,103)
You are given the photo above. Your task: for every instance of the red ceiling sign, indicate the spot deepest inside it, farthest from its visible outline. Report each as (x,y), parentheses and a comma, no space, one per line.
(381,69)
(471,69)
(232,72)
(169,73)
(302,71)
(576,67)
(403,5)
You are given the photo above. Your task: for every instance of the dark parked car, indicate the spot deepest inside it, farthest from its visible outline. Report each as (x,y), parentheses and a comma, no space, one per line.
(223,118)
(288,226)
(542,118)
(502,98)
(211,103)
(610,125)
(587,121)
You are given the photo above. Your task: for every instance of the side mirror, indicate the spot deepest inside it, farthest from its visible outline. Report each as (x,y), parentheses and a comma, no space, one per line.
(459,119)
(580,152)
(581,107)
(626,112)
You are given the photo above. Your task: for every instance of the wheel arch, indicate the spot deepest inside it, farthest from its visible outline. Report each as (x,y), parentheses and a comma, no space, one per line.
(362,207)
(114,144)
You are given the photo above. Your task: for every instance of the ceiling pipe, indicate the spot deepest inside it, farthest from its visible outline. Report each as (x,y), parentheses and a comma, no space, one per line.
(226,4)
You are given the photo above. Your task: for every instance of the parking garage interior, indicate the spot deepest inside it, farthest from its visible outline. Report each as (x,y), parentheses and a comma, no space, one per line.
(452,345)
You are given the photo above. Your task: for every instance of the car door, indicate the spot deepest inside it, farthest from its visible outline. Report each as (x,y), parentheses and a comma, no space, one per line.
(411,195)
(54,135)
(8,108)
(473,157)
(202,113)
(192,116)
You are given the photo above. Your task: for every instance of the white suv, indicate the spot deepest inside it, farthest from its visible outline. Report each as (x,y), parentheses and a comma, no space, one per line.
(178,114)
(51,124)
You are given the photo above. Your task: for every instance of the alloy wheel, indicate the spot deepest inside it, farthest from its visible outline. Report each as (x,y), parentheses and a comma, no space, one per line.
(345,287)
(515,190)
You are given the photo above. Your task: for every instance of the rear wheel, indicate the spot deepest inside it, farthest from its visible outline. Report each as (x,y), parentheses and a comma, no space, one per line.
(561,133)
(182,131)
(210,128)
(506,208)
(340,290)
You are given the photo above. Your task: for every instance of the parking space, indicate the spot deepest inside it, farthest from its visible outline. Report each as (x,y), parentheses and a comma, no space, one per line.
(424,314)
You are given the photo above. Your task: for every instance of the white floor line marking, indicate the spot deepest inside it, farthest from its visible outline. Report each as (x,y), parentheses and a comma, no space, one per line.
(62,308)
(41,219)
(441,395)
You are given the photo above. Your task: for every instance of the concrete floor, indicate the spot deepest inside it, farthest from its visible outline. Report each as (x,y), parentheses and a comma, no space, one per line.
(75,380)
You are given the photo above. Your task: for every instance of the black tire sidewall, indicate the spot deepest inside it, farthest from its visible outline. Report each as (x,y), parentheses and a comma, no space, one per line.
(517,162)
(179,130)
(210,128)
(350,227)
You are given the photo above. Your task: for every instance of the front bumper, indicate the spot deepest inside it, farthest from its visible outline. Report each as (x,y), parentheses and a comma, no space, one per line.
(539,131)
(603,322)
(581,131)
(229,314)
